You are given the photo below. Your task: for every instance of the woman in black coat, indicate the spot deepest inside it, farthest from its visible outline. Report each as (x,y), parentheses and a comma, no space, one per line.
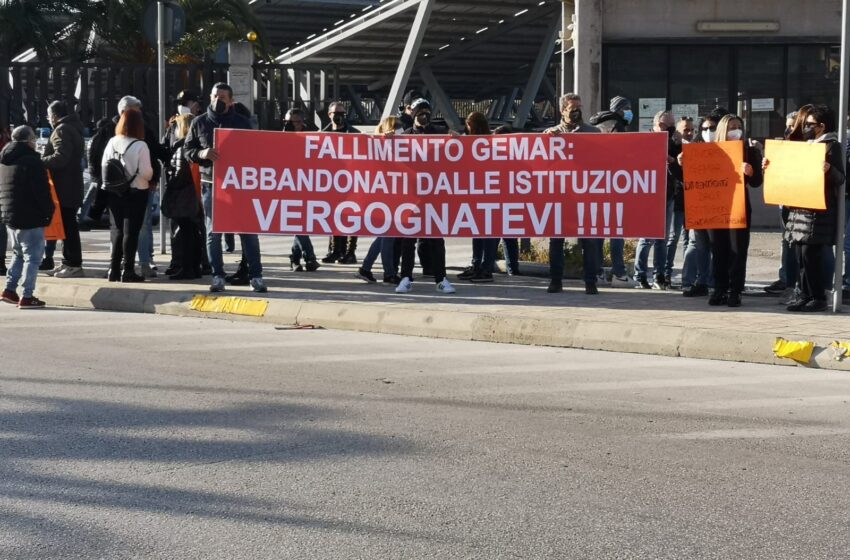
(810,232)
(729,246)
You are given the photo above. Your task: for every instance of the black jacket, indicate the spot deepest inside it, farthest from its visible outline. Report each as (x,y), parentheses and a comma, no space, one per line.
(63,157)
(200,136)
(25,201)
(818,227)
(430,129)
(347,130)
(105,129)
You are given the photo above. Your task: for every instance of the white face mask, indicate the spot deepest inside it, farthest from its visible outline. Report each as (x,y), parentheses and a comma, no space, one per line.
(708,135)
(735,134)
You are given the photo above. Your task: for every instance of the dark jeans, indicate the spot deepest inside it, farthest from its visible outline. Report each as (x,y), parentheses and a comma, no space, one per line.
(512,253)
(484,253)
(810,258)
(4,240)
(72,248)
(340,245)
(434,249)
(126,214)
(729,258)
(589,250)
(302,247)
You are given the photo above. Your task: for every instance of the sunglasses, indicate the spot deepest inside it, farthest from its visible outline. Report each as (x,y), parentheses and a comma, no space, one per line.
(711,128)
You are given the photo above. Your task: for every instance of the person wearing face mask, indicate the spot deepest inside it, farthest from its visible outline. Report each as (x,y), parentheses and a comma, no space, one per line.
(729,246)
(199,148)
(63,155)
(572,122)
(434,249)
(811,231)
(662,122)
(696,268)
(341,248)
(25,209)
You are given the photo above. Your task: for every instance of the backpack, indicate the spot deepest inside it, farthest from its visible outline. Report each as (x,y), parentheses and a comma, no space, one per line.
(116,178)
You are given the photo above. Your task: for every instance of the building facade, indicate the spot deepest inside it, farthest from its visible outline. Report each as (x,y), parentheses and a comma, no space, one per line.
(760,59)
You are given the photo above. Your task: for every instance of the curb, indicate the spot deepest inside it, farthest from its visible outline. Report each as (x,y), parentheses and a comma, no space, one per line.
(516,328)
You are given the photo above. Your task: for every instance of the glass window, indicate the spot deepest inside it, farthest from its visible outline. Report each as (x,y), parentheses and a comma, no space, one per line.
(761,90)
(699,75)
(813,75)
(635,73)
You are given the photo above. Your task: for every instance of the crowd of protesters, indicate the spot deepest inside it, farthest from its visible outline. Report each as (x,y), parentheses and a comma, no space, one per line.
(714,261)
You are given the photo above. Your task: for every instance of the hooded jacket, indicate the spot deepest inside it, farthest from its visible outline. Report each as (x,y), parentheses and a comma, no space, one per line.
(818,227)
(25,201)
(63,157)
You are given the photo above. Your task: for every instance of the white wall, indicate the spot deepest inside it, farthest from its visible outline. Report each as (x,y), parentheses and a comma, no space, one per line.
(658,19)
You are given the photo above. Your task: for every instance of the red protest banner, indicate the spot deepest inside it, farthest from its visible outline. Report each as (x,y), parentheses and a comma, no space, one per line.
(524,185)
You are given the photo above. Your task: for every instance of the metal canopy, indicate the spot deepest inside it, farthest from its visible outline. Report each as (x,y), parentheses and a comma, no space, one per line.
(476,49)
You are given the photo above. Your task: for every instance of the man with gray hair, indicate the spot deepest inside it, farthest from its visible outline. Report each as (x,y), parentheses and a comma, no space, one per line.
(662,122)
(25,209)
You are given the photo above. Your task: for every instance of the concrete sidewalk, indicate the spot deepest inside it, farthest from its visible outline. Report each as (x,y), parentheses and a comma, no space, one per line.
(511,310)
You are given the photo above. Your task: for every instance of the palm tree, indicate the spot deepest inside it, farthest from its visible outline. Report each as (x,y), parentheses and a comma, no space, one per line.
(118,27)
(29,25)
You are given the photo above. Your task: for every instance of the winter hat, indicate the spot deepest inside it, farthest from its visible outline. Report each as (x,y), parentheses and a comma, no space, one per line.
(420,105)
(618,103)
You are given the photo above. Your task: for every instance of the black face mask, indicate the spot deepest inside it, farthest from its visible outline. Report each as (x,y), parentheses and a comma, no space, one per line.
(338,119)
(288,127)
(219,107)
(423,119)
(787,132)
(671,130)
(575,116)
(810,133)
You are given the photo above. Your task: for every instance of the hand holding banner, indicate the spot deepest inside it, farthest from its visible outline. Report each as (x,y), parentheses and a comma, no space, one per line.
(795,175)
(714,185)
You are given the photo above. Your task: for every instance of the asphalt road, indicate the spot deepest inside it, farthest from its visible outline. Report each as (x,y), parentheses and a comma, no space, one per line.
(139,436)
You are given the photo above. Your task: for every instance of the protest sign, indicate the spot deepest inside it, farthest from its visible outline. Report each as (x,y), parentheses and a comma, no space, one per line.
(714,185)
(524,185)
(795,175)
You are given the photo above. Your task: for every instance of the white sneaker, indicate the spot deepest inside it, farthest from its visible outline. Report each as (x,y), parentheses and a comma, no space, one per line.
(405,286)
(445,287)
(621,282)
(217,284)
(258,285)
(56,270)
(70,272)
(147,270)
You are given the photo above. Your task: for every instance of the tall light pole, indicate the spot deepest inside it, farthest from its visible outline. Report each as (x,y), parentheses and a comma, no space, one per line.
(160,55)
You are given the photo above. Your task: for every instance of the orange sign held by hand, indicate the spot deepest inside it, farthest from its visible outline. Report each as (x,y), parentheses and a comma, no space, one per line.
(714,185)
(56,230)
(795,174)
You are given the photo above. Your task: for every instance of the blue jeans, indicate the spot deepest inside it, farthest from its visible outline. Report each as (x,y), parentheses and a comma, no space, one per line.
(146,234)
(250,242)
(88,200)
(659,257)
(303,246)
(512,253)
(618,261)
(28,250)
(384,246)
(589,250)
(676,225)
(696,270)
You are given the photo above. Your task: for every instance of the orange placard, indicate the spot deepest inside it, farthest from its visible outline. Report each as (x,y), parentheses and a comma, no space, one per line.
(795,174)
(714,185)
(56,230)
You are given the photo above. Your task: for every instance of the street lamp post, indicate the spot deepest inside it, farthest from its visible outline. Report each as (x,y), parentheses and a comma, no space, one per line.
(160,54)
(838,282)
